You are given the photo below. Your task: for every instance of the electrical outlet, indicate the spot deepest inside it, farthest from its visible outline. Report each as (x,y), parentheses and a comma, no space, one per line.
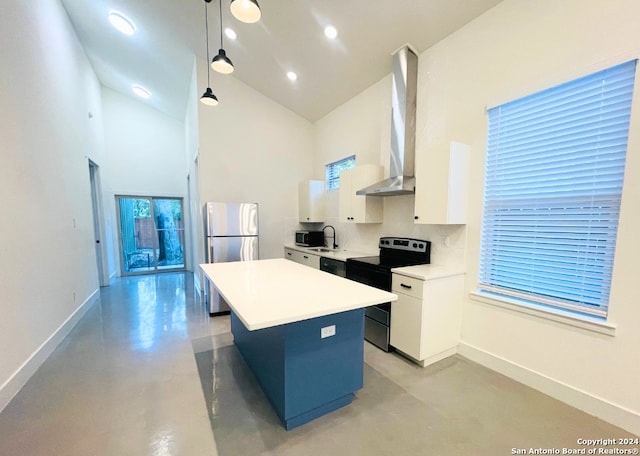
(327,331)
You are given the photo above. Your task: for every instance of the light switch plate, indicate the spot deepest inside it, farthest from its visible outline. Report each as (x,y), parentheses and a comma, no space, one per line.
(328,331)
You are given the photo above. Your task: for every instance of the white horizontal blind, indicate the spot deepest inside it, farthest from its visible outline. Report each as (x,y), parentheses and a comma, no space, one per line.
(554,171)
(334,169)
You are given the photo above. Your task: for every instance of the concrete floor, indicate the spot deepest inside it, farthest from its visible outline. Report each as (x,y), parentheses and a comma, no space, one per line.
(148,372)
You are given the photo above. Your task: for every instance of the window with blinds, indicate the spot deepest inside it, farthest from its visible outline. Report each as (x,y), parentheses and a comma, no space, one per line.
(333,170)
(554,170)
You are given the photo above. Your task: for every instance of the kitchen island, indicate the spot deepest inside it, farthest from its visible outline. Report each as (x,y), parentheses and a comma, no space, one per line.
(300,330)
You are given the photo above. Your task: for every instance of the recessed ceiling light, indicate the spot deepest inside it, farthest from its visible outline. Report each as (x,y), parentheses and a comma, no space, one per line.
(230,33)
(292,76)
(330,32)
(122,23)
(141,92)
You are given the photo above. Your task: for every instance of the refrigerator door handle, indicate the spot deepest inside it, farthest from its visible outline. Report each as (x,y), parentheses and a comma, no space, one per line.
(211,253)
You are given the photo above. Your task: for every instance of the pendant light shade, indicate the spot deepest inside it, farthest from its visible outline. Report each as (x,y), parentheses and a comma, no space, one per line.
(208,98)
(246,10)
(221,63)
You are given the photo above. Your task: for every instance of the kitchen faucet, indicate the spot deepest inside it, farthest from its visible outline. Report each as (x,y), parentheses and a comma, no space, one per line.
(335,246)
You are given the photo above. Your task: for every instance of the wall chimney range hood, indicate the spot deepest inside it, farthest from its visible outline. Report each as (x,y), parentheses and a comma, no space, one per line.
(403,128)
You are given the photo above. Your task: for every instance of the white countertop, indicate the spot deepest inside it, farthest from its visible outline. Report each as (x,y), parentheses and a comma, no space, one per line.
(266,293)
(429,271)
(338,254)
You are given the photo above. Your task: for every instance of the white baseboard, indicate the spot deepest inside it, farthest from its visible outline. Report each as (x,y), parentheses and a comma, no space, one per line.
(432,359)
(20,377)
(582,400)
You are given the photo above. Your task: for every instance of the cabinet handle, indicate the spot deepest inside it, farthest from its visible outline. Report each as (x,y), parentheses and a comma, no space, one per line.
(289,253)
(304,256)
(405,286)
(307,218)
(415,217)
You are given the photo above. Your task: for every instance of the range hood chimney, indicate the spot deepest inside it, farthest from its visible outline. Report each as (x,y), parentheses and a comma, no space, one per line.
(403,127)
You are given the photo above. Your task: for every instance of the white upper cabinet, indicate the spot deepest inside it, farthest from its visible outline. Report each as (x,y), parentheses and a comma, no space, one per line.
(354,208)
(311,201)
(441,186)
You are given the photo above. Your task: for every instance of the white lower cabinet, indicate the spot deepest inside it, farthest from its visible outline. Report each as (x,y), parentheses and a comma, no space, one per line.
(426,318)
(307,259)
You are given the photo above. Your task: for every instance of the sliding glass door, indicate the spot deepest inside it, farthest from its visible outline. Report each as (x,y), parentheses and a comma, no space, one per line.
(151,232)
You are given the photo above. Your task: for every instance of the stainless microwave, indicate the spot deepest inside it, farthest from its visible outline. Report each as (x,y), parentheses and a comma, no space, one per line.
(310,238)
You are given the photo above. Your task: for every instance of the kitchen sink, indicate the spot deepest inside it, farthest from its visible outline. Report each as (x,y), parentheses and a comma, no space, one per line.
(320,249)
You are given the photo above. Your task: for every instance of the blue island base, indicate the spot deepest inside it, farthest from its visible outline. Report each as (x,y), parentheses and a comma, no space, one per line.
(304,375)
(292,423)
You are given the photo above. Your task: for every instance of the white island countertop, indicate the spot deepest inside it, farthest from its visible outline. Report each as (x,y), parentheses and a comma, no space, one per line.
(266,293)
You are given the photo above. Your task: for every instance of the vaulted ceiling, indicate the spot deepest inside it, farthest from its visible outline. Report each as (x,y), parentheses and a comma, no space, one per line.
(289,37)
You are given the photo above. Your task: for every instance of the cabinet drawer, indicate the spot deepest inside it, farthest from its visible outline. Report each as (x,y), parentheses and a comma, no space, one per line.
(302,257)
(310,260)
(292,255)
(407,285)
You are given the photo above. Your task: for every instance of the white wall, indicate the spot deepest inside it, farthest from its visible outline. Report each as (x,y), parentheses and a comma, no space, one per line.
(191,153)
(515,49)
(253,150)
(145,155)
(47,257)
(145,148)
(362,126)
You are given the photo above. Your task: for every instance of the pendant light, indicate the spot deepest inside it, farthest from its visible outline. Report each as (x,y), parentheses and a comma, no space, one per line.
(221,62)
(246,10)
(208,98)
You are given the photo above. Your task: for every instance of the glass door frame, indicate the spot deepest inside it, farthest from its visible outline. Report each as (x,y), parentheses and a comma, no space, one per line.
(154,269)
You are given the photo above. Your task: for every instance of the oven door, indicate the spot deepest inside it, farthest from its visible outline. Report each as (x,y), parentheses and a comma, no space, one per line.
(377,318)
(369,274)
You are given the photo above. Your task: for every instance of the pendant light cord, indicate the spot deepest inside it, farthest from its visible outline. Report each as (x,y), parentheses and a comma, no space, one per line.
(221,46)
(206,27)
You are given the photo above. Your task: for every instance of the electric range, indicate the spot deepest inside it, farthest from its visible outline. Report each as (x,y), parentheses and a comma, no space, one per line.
(376,272)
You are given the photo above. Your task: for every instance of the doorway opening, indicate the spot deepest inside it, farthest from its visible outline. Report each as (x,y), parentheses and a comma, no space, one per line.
(151,232)
(98,230)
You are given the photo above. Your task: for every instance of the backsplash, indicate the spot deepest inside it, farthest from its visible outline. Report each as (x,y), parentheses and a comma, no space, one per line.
(448,242)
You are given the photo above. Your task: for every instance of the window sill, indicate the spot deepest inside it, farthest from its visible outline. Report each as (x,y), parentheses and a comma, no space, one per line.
(579,321)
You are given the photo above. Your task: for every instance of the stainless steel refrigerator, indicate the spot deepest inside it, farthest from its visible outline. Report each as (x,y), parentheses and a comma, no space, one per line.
(231,234)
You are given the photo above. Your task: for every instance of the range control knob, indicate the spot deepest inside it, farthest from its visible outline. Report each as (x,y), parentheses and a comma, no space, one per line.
(420,245)
(415,245)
